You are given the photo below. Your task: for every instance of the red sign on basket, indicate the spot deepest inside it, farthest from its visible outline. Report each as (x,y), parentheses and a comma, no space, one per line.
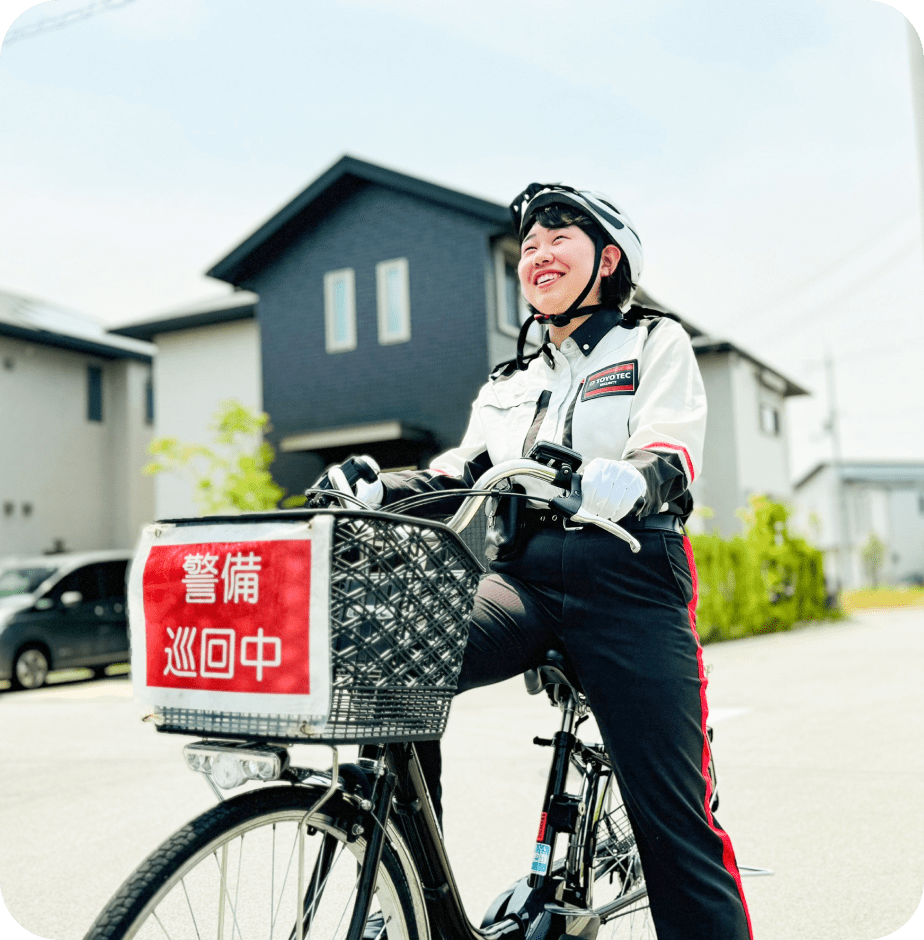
(229,616)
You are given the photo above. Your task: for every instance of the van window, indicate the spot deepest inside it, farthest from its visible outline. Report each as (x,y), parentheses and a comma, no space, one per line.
(84,580)
(112,575)
(22,580)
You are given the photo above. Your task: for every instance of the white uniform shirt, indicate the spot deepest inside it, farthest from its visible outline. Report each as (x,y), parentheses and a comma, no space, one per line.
(630,390)
(624,393)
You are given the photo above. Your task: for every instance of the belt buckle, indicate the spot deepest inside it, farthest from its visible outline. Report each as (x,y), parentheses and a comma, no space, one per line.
(571,528)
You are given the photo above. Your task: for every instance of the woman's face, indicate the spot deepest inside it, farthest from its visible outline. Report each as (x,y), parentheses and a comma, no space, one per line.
(555,266)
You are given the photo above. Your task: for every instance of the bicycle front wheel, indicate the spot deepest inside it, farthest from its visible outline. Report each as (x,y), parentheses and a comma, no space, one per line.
(257,865)
(620,893)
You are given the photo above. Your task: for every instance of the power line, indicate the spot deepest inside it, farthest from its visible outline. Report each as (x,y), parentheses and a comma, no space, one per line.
(829,305)
(863,246)
(57,22)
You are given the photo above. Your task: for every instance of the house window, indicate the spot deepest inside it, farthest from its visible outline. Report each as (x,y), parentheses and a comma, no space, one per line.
(769,419)
(511,305)
(394,301)
(94,393)
(340,310)
(149,401)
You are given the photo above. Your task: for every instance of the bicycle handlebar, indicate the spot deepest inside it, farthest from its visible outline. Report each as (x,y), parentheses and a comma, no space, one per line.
(568,506)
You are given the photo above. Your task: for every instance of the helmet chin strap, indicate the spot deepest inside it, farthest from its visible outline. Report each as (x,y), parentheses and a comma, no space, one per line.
(574,311)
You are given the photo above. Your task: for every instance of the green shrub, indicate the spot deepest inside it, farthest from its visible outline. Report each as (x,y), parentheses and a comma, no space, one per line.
(763,581)
(232,474)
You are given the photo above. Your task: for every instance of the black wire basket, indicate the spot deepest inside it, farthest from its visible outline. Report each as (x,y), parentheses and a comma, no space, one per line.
(401,595)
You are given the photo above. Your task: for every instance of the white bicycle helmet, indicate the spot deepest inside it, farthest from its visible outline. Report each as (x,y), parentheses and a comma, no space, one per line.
(612,226)
(614,222)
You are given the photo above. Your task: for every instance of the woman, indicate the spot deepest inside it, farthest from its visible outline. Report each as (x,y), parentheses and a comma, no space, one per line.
(621,386)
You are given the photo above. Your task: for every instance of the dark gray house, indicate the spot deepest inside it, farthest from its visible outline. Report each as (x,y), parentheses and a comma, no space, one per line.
(384,300)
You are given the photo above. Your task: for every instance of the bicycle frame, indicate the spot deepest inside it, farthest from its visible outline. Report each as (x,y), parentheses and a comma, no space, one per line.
(539,906)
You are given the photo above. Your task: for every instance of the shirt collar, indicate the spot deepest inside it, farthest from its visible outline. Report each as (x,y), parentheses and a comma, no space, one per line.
(593,329)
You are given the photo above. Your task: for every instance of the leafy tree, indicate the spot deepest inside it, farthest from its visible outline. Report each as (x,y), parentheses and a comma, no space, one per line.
(233,473)
(874,553)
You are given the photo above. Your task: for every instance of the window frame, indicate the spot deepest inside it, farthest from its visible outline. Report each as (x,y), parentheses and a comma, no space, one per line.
(382,269)
(769,407)
(149,401)
(331,278)
(95,414)
(505,252)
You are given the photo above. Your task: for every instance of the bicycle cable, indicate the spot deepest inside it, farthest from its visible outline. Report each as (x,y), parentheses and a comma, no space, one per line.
(421,499)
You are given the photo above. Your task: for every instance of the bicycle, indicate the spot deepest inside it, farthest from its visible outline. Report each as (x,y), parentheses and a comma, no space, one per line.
(356,852)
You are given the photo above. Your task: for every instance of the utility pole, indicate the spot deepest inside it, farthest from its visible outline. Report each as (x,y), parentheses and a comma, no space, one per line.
(837,466)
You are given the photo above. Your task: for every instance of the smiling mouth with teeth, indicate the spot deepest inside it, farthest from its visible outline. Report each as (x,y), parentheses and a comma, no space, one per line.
(546,279)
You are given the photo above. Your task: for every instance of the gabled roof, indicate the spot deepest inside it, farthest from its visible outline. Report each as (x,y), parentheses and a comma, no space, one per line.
(241,305)
(875,472)
(37,321)
(703,345)
(346,176)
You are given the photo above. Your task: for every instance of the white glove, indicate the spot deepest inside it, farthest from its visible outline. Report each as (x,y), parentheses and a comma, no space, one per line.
(610,488)
(371,494)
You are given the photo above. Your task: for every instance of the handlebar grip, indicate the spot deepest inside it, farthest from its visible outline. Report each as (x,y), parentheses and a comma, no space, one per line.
(353,469)
(570,504)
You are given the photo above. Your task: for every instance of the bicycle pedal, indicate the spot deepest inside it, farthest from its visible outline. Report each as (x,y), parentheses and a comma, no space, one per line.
(553,908)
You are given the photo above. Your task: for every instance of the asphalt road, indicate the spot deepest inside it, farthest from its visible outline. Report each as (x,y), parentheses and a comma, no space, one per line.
(819,745)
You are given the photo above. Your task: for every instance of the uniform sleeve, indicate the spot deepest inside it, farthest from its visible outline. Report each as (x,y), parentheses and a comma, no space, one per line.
(667,424)
(455,469)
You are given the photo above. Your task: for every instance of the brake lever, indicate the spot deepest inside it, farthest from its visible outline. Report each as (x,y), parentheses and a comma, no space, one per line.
(570,506)
(590,518)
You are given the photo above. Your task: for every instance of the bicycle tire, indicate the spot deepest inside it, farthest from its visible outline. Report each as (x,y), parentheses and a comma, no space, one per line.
(246,850)
(620,895)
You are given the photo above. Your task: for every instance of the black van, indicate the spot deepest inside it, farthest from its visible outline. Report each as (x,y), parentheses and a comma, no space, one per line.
(62,611)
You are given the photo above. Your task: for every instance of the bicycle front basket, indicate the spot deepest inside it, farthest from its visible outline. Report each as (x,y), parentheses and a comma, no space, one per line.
(388,600)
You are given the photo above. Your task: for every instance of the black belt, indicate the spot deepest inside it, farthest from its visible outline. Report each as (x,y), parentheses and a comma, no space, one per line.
(546,519)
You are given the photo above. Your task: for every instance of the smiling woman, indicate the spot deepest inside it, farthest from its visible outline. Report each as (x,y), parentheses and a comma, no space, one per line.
(615,388)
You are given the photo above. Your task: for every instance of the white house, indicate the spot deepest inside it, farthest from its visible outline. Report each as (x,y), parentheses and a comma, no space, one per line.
(207,353)
(746,450)
(75,422)
(841,506)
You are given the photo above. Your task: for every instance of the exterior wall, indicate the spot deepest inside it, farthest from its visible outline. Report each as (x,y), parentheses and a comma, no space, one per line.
(61,464)
(195,370)
(428,382)
(718,487)
(763,458)
(131,493)
(740,458)
(895,513)
(906,528)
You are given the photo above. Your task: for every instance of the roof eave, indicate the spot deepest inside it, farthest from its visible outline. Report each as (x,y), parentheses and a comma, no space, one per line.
(151,328)
(706,345)
(239,263)
(77,343)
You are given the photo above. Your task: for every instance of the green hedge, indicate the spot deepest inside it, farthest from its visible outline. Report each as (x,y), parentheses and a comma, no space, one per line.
(761,582)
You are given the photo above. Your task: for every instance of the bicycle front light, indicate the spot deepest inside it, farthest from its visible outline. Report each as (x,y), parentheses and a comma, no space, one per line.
(231,765)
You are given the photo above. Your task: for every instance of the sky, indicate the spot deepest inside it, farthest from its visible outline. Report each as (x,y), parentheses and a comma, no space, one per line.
(766,153)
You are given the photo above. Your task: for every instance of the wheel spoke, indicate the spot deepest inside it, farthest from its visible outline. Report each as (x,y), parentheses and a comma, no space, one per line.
(223,874)
(191,912)
(231,874)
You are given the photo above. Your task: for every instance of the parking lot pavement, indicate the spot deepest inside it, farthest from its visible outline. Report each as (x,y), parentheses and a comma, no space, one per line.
(819,745)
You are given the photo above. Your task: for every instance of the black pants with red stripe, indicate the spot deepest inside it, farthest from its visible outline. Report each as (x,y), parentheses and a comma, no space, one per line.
(625,621)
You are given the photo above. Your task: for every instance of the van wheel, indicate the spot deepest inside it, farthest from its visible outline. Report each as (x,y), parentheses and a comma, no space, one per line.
(30,670)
